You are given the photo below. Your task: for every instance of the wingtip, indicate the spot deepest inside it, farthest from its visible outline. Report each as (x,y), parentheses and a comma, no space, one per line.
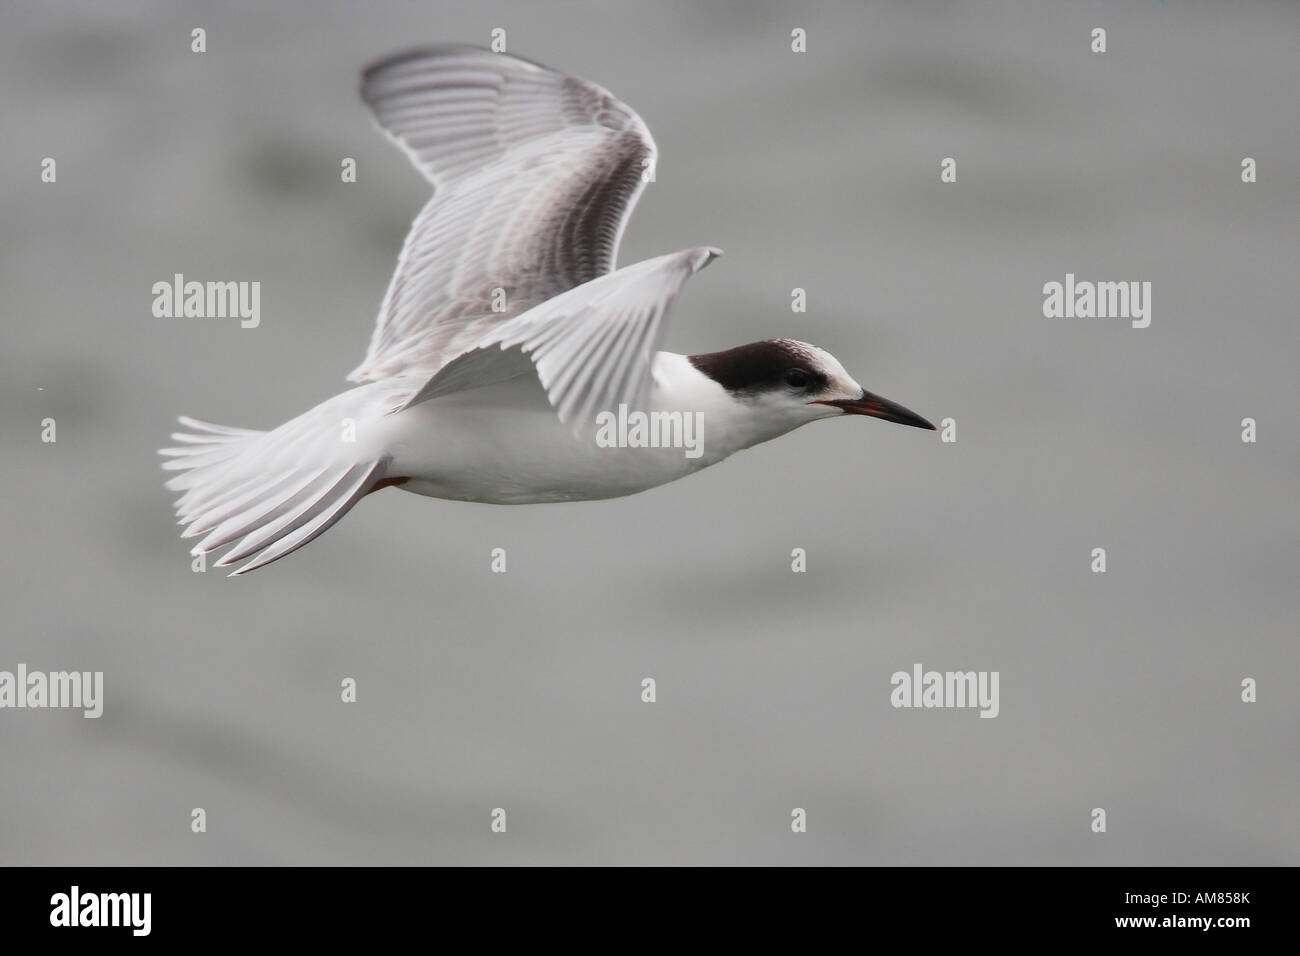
(423,51)
(703,256)
(429,52)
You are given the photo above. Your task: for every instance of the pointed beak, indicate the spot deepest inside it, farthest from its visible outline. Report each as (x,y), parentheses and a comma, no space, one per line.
(877,407)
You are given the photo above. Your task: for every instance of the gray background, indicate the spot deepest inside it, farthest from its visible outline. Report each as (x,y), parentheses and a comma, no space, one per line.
(521,690)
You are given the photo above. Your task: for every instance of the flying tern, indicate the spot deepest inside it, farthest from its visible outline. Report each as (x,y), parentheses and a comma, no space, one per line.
(507,335)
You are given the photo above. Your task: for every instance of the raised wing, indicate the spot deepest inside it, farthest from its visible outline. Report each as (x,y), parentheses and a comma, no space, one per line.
(593,347)
(535,175)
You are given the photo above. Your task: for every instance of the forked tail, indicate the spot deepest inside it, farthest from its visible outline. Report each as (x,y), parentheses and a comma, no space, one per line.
(269,493)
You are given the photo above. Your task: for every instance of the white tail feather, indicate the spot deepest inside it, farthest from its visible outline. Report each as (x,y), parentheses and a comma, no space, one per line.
(269,493)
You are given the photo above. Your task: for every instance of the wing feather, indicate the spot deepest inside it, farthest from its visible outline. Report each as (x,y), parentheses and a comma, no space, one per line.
(535,175)
(593,346)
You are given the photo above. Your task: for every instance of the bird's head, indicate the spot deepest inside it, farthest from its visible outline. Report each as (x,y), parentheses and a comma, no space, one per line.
(790,383)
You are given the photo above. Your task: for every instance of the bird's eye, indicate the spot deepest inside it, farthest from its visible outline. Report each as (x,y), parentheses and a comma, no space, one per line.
(797,378)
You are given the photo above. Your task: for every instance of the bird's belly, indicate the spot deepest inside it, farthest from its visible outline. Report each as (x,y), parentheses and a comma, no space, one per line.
(509,447)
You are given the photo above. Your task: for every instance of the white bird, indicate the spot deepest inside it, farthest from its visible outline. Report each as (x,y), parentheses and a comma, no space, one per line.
(507,338)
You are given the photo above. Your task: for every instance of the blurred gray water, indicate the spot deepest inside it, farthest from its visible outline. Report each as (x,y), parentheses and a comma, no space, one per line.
(522,691)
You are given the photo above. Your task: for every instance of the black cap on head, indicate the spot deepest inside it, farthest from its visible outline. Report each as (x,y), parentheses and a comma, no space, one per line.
(763,367)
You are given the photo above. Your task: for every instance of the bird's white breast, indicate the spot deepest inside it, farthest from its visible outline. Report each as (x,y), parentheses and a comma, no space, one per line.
(504,443)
